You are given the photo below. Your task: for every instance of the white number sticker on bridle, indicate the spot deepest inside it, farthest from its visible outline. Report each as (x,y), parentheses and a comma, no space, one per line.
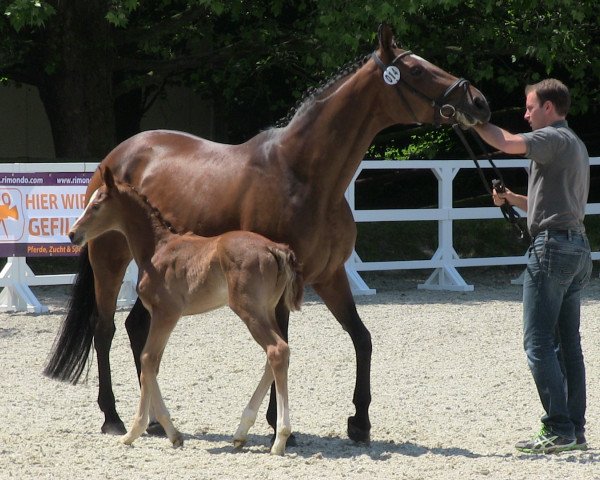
(391,75)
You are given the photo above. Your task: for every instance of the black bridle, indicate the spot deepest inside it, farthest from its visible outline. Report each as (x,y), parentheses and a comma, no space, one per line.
(442,109)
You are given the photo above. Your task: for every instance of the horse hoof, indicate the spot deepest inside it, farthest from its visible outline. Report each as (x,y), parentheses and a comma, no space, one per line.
(238,443)
(291,441)
(279,453)
(155,429)
(114,428)
(126,440)
(178,442)
(357,433)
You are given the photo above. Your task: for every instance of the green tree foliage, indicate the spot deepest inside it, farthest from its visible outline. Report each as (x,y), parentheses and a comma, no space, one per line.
(254,59)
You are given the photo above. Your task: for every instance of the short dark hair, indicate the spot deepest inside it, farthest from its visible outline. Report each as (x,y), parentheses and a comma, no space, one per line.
(554,91)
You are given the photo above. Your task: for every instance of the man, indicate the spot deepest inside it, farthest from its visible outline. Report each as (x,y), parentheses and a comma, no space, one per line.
(559,263)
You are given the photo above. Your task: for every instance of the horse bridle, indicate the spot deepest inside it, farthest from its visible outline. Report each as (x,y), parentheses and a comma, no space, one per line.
(392,76)
(442,109)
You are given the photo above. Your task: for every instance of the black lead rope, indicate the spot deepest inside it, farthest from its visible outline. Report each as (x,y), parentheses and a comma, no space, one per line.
(508,211)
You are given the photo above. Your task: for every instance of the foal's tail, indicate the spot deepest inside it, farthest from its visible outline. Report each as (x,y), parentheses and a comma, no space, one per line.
(291,275)
(72,346)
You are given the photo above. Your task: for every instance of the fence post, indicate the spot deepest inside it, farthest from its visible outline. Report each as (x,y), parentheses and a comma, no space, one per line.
(357,284)
(446,277)
(16,296)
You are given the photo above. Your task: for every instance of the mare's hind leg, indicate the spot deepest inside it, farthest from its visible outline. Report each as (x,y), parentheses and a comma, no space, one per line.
(337,296)
(109,257)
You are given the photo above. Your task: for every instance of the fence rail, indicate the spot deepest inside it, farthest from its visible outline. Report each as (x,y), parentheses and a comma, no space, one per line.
(445,259)
(16,277)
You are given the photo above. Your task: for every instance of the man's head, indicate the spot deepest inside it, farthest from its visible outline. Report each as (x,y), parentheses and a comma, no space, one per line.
(546,102)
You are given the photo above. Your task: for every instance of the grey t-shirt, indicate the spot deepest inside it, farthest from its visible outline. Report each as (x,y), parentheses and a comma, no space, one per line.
(559,178)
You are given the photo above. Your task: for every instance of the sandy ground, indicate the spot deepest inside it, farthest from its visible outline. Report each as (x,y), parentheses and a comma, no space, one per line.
(451,394)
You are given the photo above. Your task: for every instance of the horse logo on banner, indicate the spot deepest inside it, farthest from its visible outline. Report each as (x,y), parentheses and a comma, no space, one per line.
(9,212)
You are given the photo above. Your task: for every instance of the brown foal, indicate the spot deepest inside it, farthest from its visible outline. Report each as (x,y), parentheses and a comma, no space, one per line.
(188,274)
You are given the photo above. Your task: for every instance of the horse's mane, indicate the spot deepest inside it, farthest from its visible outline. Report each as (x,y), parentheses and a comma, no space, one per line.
(153,211)
(314,93)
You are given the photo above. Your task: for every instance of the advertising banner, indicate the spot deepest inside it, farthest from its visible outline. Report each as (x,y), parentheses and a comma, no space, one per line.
(37,211)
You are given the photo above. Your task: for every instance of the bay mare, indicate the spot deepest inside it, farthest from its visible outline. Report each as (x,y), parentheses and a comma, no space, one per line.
(285,183)
(185,274)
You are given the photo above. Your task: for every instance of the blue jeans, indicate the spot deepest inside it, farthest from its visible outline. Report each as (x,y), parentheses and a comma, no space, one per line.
(559,267)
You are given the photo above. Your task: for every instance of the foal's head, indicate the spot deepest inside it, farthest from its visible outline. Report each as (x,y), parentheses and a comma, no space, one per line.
(105,210)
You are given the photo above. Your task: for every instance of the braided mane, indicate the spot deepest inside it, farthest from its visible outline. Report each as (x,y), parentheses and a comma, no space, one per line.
(314,93)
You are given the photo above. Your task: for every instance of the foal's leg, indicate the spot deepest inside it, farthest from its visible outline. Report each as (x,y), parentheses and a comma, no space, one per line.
(251,411)
(109,257)
(137,325)
(279,356)
(283,319)
(265,331)
(150,394)
(337,296)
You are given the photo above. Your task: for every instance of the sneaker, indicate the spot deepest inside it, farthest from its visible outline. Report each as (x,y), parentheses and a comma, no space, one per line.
(580,442)
(546,442)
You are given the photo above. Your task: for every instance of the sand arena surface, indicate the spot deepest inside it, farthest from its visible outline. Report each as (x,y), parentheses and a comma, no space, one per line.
(450,385)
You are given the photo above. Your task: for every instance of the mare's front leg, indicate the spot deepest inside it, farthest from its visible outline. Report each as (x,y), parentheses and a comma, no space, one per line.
(109,257)
(337,296)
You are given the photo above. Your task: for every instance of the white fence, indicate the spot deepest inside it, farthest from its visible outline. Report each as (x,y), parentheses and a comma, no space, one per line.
(17,277)
(445,260)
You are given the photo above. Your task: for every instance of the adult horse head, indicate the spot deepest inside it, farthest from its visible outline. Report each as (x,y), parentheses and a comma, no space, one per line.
(285,183)
(427,93)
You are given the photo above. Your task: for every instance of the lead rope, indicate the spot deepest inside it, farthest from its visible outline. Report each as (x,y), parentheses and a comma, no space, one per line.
(508,211)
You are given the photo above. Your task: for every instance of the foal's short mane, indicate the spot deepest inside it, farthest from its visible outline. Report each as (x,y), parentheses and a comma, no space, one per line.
(313,93)
(155,212)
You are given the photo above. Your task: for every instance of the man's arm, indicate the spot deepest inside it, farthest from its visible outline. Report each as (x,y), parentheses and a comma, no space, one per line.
(501,139)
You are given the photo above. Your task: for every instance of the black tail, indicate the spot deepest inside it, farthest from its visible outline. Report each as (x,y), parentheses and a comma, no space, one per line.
(72,345)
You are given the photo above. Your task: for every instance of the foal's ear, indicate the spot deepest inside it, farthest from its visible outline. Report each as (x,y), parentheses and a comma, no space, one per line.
(386,37)
(108,178)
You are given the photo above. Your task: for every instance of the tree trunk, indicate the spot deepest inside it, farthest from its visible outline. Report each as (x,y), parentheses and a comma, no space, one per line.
(78,93)
(129,111)
(79,108)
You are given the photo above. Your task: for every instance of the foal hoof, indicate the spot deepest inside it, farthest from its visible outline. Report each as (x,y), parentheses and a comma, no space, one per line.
(279,453)
(358,433)
(177,441)
(126,440)
(239,443)
(291,441)
(114,428)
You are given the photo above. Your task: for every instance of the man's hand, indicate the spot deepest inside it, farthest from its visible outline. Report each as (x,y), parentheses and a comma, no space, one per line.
(514,199)
(500,198)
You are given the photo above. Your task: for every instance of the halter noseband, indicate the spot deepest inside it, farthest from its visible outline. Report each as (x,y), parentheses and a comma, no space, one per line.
(392,76)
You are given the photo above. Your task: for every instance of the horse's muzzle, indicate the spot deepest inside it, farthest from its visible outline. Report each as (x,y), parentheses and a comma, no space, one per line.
(76,239)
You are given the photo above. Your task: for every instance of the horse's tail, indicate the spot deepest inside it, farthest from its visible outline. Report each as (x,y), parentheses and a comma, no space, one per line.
(72,345)
(291,275)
